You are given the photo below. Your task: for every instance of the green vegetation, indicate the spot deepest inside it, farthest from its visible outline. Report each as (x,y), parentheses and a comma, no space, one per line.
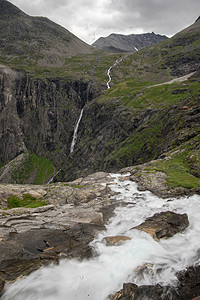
(26,201)
(77,186)
(177,170)
(142,94)
(85,67)
(41,169)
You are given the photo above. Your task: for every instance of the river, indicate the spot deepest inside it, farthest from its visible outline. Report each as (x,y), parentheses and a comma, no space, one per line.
(113,265)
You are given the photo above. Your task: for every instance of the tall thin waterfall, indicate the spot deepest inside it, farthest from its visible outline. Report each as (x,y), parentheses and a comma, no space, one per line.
(76,131)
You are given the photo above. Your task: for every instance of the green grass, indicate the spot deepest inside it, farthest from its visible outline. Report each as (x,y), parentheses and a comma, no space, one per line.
(77,186)
(139,94)
(81,67)
(41,169)
(149,138)
(26,201)
(177,170)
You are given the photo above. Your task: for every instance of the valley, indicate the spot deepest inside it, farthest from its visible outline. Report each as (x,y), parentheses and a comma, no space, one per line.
(88,136)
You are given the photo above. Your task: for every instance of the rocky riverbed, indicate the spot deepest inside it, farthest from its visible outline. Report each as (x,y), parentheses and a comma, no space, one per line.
(76,211)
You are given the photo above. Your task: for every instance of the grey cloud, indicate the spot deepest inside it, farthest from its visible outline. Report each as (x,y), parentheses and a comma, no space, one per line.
(167,16)
(89,19)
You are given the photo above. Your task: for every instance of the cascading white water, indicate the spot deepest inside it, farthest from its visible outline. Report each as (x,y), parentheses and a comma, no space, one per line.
(52,178)
(112,266)
(76,131)
(109,70)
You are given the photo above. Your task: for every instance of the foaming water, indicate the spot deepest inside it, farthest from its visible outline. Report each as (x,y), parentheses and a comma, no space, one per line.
(112,266)
(109,70)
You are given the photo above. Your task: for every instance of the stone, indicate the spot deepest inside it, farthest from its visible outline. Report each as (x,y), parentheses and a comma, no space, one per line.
(189,283)
(116,240)
(131,291)
(164,224)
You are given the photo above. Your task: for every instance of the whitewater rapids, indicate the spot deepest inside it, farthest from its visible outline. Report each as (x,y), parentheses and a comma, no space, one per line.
(112,266)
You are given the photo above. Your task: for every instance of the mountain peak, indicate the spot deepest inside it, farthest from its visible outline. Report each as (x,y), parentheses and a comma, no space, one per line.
(128,43)
(36,39)
(7,8)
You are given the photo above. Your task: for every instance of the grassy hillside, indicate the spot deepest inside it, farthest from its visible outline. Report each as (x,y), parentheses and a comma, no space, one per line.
(27,168)
(133,122)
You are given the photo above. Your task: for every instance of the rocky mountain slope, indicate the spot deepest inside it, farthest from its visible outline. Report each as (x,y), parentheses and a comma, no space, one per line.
(128,43)
(35,40)
(133,122)
(147,123)
(136,120)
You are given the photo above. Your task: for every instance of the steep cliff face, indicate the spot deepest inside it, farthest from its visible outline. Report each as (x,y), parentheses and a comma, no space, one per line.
(114,134)
(38,115)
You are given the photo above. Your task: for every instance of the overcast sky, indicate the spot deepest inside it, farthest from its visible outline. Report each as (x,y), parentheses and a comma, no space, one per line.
(90,19)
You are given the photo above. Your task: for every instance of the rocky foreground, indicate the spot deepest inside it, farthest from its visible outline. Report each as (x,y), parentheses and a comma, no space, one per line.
(76,211)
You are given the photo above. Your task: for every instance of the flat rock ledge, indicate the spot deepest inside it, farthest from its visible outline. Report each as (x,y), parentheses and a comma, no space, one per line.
(33,237)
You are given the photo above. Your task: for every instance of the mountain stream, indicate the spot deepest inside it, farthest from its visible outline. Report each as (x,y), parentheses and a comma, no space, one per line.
(113,265)
(109,70)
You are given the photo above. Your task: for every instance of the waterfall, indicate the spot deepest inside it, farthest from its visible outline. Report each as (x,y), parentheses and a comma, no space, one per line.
(76,131)
(54,175)
(112,266)
(109,70)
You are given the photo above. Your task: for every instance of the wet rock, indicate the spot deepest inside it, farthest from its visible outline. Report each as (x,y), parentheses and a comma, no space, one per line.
(131,291)
(164,225)
(189,283)
(22,253)
(127,293)
(14,268)
(156,292)
(116,240)
(144,270)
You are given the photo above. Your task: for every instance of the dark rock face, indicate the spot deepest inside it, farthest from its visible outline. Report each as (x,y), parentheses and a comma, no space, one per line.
(127,43)
(188,288)
(189,283)
(164,225)
(103,128)
(38,116)
(26,252)
(131,291)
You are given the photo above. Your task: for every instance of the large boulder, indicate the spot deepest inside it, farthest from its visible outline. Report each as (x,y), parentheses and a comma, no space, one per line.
(164,224)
